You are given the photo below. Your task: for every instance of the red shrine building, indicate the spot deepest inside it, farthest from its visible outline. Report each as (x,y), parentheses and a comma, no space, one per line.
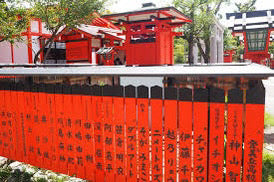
(255,29)
(141,37)
(71,46)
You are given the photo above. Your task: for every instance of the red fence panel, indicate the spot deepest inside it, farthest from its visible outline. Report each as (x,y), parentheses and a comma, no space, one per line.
(109,134)
(170,104)
(254,133)
(185,134)
(216,135)
(107,117)
(98,133)
(120,140)
(131,131)
(234,135)
(200,114)
(156,104)
(143,133)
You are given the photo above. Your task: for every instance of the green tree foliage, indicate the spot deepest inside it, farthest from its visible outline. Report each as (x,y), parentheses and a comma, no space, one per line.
(271,48)
(249,5)
(230,42)
(13,21)
(202,13)
(179,50)
(63,13)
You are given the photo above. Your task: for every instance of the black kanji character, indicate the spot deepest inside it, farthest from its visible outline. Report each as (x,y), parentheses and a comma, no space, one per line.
(118,129)
(71,160)
(78,135)
(98,153)
(108,127)
(143,157)
(200,139)
(80,161)
(234,145)
(79,149)
(108,141)
(120,171)
(87,125)
(185,153)
(215,153)
(185,169)
(170,147)
(170,134)
(89,158)
(119,142)
(200,168)
(109,156)
(143,131)
(109,167)
(70,147)
(120,157)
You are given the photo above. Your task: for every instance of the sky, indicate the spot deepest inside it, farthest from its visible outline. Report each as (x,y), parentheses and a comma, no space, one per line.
(129,5)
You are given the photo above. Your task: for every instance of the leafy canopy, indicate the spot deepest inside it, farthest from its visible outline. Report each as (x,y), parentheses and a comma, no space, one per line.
(13,21)
(69,13)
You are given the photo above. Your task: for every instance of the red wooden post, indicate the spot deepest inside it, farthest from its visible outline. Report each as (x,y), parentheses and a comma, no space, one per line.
(254,133)
(120,142)
(156,104)
(131,134)
(107,105)
(234,135)
(216,135)
(185,134)
(200,114)
(170,105)
(143,133)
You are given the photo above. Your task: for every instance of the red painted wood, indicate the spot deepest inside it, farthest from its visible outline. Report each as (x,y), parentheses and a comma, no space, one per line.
(120,145)
(234,142)
(131,124)
(185,135)
(88,136)
(253,142)
(61,133)
(98,136)
(79,162)
(200,140)
(170,139)
(157,139)
(143,139)
(216,142)
(109,127)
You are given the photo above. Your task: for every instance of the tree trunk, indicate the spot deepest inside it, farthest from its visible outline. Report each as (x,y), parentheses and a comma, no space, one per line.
(44,45)
(190,50)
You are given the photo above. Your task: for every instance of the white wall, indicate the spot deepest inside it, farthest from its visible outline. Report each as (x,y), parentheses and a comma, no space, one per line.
(21,52)
(5,52)
(35,26)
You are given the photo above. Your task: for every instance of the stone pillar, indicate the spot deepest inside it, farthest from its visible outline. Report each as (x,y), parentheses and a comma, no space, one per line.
(221,47)
(213,45)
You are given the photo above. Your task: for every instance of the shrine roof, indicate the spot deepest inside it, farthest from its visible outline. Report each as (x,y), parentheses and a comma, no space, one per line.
(147,13)
(209,70)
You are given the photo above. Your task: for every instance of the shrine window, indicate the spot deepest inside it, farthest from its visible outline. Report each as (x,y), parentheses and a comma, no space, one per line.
(256,39)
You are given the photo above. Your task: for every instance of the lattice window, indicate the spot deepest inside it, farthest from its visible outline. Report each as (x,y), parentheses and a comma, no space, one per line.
(256,40)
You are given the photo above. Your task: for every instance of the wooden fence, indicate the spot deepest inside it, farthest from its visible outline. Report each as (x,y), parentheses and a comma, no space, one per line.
(135,133)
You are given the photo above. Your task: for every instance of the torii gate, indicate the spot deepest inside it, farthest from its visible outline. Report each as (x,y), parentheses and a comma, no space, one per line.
(256,28)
